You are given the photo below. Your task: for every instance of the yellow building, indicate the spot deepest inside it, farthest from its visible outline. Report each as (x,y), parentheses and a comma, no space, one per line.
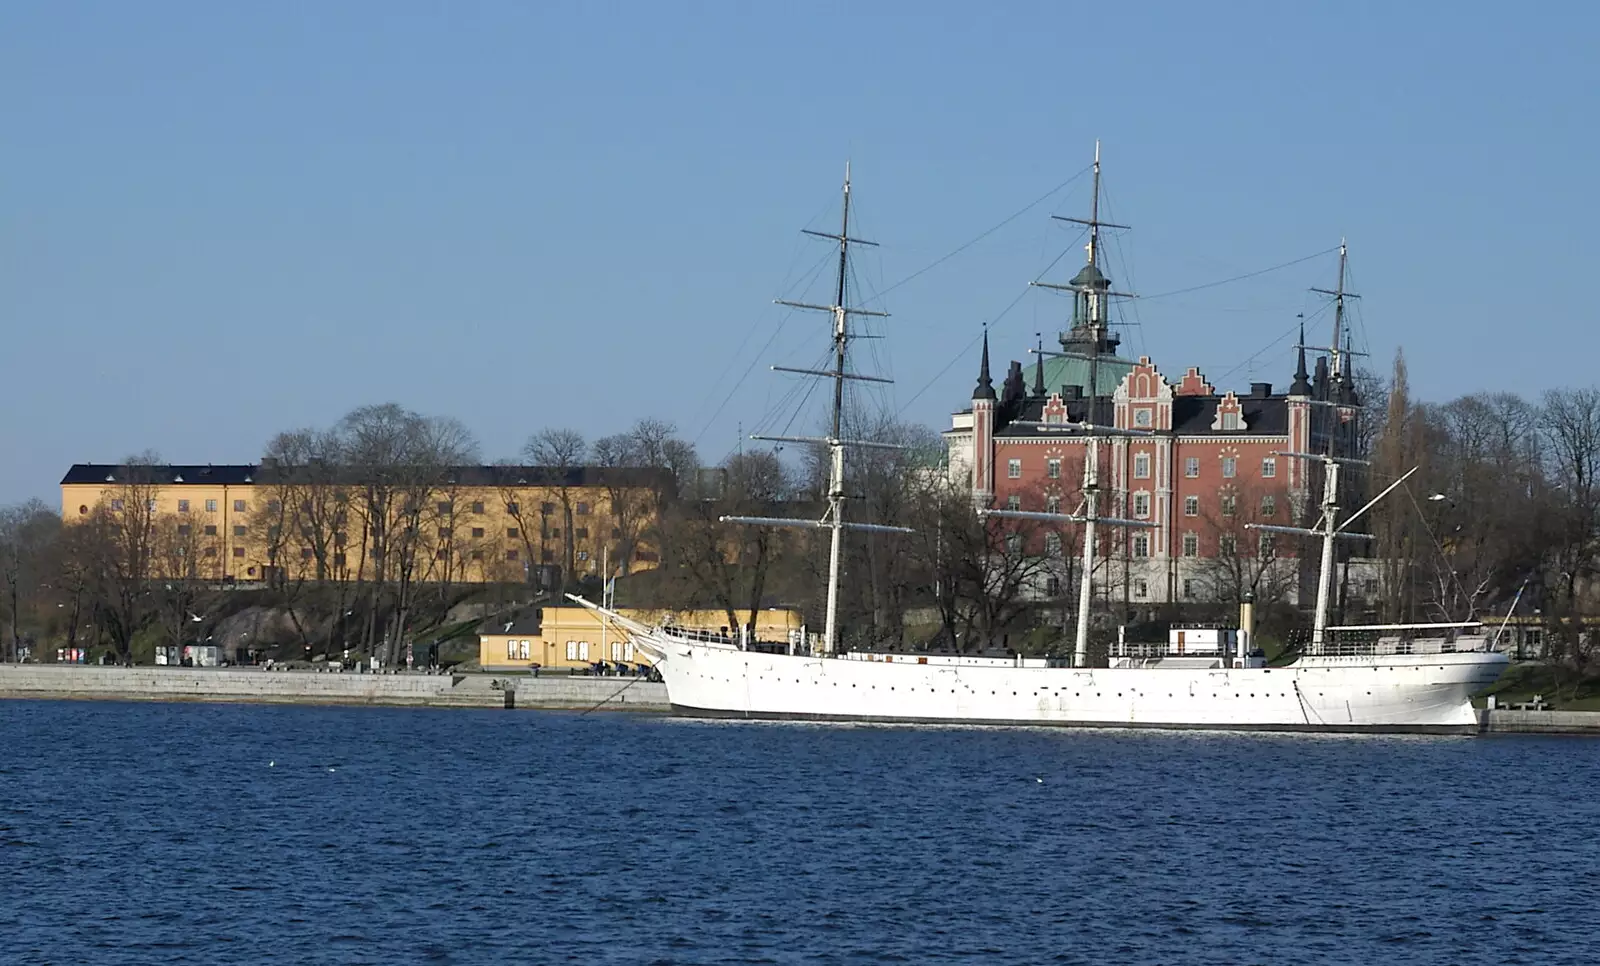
(576,637)
(464,524)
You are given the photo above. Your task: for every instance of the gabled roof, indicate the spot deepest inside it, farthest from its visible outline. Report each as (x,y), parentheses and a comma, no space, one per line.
(1191,416)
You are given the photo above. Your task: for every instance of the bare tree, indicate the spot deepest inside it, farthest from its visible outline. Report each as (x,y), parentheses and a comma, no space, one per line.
(561,451)
(30,535)
(1245,560)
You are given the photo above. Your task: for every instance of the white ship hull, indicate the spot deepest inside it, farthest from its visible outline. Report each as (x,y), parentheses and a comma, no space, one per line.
(1387,693)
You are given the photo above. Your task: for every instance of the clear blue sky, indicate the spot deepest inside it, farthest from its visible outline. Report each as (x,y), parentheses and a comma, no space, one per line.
(223,220)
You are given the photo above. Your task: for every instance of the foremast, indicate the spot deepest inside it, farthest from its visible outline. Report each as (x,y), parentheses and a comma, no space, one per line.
(834,519)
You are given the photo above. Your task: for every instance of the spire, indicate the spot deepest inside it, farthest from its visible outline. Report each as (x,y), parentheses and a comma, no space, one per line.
(1038,368)
(985,387)
(1302,385)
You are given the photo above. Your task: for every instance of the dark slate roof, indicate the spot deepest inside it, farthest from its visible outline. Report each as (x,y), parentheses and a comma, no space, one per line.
(270,473)
(231,474)
(1191,416)
(524,622)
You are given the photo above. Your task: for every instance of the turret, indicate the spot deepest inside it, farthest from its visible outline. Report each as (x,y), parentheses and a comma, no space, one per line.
(983,399)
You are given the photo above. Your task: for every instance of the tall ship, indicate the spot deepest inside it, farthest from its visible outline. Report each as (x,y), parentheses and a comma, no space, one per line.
(1395,678)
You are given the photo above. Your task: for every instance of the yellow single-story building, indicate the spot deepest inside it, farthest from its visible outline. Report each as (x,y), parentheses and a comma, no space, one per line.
(576,637)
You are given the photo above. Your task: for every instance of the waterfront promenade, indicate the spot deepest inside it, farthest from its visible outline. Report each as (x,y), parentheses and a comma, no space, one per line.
(407,689)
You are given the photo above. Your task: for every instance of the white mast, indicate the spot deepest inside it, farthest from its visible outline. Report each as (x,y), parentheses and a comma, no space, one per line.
(833,520)
(1091,290)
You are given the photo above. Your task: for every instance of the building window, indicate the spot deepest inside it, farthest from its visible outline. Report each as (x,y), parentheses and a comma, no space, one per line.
(1269,468)
(1141,589)
(238,551)
(512,508)
(511,650)
(1141,545)
(548,556)
(1230,467)
(339,539)
(338,560)
(547,508)
(1052,469)
(1231,422)
(477,532)
(1191,467)
(441,554)
(580,533)
(183,529)
(1229,504)
(1227,545)
(444,533)
(572,650)
(522,650)
(238,531)
(239,506)
(1269,505)
(1188,587)
(446,508)
(477,507)
(1141,417)
(1141,505)
(305,553)
(1141,466)
(511,555)
(274,506)
(211,506)
(211,529)
(116,505)
(1013,502)
(1052,544)
(616,533)
(1014,469)
(513,532)
(1191,545)
(1191,506)
(1052,586)
(183,506)
(1014,543)
(477,555)
(1052,504)
(150,505)
(583,509)
(209,552)
(1266,546)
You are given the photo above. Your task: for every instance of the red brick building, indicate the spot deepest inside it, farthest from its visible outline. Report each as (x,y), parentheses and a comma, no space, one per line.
(1211,464)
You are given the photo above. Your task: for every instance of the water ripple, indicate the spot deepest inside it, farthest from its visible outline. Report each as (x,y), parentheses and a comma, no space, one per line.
(145,833)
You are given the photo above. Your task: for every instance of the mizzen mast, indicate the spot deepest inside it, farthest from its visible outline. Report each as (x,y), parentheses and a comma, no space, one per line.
(833,520)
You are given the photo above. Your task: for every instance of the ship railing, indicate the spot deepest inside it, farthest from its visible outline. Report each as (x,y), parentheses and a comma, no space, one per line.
(1359,640)
(1159,649)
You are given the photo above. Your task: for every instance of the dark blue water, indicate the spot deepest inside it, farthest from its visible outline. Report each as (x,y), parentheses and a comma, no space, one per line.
(226,834)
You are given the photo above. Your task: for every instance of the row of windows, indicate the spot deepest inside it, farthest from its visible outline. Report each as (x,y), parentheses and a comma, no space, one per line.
(1141,467)
(1227,545)
(1141,505)
(582,508)
(1141,587)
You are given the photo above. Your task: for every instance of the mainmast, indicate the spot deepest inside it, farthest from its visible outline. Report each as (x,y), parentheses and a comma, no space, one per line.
(1091,291)
(1337,348)
(833,520)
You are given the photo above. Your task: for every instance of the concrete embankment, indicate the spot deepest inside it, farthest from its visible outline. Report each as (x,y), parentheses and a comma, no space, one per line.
(311,687)
(1503,721)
